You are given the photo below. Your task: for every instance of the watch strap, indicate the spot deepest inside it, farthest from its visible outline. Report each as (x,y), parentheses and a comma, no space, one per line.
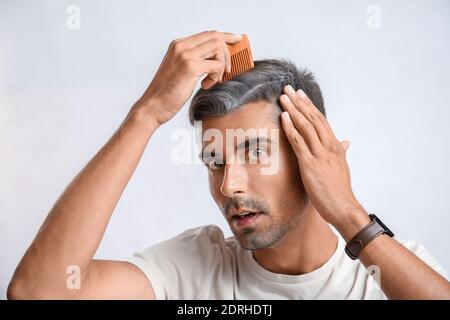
(364,236)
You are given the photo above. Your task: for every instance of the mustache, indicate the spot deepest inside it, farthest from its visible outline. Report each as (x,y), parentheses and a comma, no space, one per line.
(248,203)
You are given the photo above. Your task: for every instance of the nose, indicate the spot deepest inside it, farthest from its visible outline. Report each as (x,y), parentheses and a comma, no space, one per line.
(234,180)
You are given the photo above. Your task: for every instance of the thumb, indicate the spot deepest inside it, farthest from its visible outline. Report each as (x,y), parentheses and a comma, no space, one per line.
(345,144)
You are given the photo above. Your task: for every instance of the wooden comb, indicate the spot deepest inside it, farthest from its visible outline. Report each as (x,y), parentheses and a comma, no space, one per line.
(241,58)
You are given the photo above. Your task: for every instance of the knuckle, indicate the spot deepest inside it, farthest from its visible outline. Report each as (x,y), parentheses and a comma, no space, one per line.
(216,42)
(214,77)
(308,160)
(335,148)
(291,104)
(306,125)
(321,117)
(296,138)
(176,47)
(173,42)
(187,65)
(183,56)
(214,33)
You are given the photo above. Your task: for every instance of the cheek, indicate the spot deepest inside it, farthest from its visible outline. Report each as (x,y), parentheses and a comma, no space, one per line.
(289,168)
(286,185)
(215,183)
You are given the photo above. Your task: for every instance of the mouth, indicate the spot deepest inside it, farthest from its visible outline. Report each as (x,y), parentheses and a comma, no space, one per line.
(245,218)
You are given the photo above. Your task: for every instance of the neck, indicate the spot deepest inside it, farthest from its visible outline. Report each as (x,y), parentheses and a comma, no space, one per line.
(303,249)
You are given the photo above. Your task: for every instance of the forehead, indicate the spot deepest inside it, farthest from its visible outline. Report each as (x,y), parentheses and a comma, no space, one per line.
(254,115)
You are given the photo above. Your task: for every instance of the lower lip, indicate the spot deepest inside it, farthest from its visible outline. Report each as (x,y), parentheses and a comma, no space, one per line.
(240,222)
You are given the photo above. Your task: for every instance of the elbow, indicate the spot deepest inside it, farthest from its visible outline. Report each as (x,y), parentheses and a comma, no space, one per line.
(24,288)
(16,291)
(20,288)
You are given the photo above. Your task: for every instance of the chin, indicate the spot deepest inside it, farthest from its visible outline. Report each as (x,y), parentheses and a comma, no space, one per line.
(253,239)
(266,237)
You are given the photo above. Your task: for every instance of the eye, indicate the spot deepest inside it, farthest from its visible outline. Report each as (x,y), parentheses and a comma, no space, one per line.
(257,153)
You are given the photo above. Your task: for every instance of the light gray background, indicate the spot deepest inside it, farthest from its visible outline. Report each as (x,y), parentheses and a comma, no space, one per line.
(63,93)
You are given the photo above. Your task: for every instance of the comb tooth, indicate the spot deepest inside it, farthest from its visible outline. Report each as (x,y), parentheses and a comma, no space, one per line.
(245,60)
(238,62)
(241,60)
(240,65)
(235,60)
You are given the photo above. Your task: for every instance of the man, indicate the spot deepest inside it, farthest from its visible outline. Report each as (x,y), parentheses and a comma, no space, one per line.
(283,245)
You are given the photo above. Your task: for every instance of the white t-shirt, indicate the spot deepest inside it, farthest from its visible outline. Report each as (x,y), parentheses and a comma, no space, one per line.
(201,264)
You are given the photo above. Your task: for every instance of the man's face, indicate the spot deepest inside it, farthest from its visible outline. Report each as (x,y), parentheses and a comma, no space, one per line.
(238,183)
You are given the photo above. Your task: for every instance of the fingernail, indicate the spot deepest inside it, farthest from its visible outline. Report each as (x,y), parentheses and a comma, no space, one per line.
(290,89)
(239,36)
(301,93)
(285,115)
(284,97)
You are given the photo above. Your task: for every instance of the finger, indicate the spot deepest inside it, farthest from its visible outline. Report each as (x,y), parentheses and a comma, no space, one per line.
(211,68)
(198,38)
(305,128)
(231,38)
(209,50)
(205,50)
(345,144)
(228,38)
(227,58)
(222,59)
(312,115)
(310,105)
(295,139)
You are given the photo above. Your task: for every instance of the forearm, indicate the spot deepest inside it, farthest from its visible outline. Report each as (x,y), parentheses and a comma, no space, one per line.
(403,275)
(75,225)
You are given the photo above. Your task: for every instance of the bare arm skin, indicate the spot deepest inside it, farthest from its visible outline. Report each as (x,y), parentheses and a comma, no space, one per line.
(73,229)
(326,177)
(402,274)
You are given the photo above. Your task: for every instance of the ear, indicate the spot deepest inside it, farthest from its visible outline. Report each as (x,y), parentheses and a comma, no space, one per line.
(345,144)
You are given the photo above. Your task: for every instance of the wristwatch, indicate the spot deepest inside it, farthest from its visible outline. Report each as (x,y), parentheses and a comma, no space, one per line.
(375,228)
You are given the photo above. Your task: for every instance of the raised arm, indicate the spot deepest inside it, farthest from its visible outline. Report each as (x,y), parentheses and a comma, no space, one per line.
(73,229)
(326,177)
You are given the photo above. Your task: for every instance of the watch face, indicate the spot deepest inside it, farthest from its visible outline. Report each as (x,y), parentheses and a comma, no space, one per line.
(386,229)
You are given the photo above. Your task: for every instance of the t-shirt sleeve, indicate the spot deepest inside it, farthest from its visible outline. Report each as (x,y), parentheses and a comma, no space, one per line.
(178,268)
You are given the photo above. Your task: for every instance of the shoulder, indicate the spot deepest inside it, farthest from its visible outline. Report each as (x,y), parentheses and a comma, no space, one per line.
(179,267)
(201,242)
(202,236)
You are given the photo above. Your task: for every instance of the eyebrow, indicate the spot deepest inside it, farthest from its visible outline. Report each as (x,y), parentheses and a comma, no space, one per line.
(244,144)
(250,142)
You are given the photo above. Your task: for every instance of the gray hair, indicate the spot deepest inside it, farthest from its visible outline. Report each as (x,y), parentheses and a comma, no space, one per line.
(265,82)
